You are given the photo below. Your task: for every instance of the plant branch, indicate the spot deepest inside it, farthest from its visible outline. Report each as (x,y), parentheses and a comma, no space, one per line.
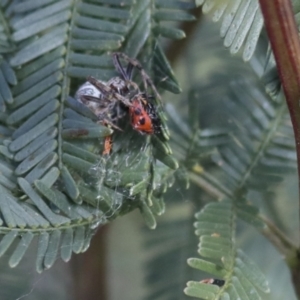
(283,35)
(89,269)
(284,38)
(206,186)
(271,232)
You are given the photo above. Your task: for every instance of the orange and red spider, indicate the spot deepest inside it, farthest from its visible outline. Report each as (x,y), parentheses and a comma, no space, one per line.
(108,100)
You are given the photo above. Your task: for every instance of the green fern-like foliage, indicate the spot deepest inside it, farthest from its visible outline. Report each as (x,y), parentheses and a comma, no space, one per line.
(263,145)
(54,183)
(252,149)
(242,23)
(241,27)
(234,140)
(244,148)
(216,226)
(167,249)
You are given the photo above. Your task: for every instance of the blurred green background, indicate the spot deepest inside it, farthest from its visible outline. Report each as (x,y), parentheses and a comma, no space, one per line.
(135,263)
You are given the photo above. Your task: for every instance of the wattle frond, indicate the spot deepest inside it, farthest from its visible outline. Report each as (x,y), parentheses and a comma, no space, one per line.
(55,184)
(167,249)
(263,145)
(242,22)
(222,259)
(254,136)
(252,144)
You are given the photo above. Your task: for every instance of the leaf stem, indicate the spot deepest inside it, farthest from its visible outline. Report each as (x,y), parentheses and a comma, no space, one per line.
(283,35)
(284,38)
(288,247)
(206,186)
(271,232)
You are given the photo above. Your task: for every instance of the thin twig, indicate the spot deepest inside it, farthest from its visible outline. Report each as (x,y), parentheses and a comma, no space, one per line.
(206,186)
(285,242)
(271,231)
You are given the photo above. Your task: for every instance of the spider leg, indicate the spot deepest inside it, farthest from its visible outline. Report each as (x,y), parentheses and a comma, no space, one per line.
(135,86)
(129,70)
(98,106)
(107,122)
(101,87)
(88,98)
(119,67)
(127,74)
(107,91)
(103,110)
(146,79)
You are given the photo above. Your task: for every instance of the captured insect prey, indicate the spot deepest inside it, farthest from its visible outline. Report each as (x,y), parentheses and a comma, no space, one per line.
(143,116)
(120,96)
(218,282)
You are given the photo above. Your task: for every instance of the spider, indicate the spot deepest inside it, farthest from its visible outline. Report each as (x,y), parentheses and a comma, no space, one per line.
(108,100)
